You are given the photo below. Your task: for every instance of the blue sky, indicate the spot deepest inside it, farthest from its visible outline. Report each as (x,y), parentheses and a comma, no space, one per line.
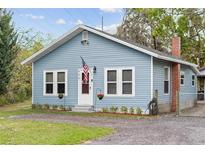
(58,21)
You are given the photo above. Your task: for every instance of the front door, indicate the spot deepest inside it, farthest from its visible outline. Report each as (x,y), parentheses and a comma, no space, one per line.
(85,89)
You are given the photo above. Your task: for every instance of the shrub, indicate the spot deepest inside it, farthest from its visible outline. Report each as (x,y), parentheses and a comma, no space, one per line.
(3,100)
(38,106)
(105,109)
(113,109)
(131,110)
(45,106)
(124,109)
(138,110)
(61,107)
(55,107)
(68,108)
(34,106)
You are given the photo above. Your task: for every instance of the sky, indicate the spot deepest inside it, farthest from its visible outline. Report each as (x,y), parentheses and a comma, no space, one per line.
(56,22)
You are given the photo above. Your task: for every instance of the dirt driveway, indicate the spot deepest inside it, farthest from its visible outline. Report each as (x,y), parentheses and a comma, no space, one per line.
(162,130)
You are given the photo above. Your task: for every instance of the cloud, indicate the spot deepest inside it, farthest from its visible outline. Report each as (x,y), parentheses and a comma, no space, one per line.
(61,21)
(112,29)
(32,16)
(110,10)
(78,22)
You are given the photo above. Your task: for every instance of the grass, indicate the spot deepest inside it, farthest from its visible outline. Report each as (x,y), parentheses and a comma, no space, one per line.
(38,132)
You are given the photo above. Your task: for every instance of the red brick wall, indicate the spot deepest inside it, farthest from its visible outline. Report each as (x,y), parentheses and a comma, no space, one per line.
(176,51)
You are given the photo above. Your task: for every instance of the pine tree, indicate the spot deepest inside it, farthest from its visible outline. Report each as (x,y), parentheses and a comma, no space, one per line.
(8,48)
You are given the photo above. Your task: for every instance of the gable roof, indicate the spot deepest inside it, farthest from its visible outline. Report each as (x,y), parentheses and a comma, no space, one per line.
(76,30)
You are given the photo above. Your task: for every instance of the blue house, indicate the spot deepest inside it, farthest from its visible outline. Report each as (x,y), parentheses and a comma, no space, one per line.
(128,74)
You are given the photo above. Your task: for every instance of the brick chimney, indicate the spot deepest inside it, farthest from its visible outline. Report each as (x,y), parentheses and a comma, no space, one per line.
(176,51)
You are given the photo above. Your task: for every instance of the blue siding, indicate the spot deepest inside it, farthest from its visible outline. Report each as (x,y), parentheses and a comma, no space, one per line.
(101,53)
(188,93)
(158,80)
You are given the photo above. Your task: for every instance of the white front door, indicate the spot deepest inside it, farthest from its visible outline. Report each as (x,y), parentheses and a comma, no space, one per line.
(85,89)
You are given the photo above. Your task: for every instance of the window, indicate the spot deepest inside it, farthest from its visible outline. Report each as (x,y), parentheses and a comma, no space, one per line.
(55,82)
(111,82)
(61,82)
(127,81)
(49,83)
(193,80)
(85,84)
(119,82)
(182,78)
(166,80)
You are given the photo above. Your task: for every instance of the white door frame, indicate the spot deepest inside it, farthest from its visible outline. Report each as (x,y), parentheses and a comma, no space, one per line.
(85,99)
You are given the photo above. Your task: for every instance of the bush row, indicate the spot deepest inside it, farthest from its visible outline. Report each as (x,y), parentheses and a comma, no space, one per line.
(51,107)
(122,109)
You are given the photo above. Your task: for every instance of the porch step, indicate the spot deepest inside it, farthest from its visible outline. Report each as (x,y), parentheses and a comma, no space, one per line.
(83,108)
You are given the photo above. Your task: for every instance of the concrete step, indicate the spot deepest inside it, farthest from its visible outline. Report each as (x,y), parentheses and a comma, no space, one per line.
(83,108)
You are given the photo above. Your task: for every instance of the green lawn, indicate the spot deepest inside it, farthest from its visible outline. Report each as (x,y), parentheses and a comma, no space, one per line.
(38,132)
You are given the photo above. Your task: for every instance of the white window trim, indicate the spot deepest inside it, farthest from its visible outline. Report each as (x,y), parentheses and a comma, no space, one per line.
(182,73)
(119,81)
(193,80)
(168,80)
(55,83)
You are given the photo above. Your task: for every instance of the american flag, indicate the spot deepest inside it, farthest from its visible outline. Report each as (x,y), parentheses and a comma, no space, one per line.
(85,70)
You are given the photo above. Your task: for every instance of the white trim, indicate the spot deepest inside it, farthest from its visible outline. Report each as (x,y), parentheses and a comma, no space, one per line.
(55,83)
(151,74)
(182,73)
(80,28)
(168,67)
(119,81)
(32,83)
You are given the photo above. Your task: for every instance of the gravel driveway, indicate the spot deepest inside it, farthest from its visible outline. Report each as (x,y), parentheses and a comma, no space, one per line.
(198,111)
(162,130)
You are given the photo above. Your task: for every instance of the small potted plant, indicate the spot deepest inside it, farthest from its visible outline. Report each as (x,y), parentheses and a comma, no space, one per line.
(100,96)
(60,95)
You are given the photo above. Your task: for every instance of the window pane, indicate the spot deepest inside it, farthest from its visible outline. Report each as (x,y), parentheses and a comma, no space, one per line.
(182,81)
(83,78)
(111,75)
(49,88)
(193,83)
(127,75)
(111,88)
(49,77)
(127,88)
(193,77)
(61,88)
(166,74)
(61,76)
(166,87)
(85,88)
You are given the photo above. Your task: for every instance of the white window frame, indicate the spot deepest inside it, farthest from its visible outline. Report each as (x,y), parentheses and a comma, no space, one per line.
(182,73)
(193,80)
(167,80)
(119,81)
(55,82)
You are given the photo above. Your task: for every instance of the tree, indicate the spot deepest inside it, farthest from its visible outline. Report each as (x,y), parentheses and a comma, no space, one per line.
(156,27)
(8,48)
(19,87)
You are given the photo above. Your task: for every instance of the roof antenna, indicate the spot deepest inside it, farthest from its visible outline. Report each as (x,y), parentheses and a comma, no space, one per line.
(102,23)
